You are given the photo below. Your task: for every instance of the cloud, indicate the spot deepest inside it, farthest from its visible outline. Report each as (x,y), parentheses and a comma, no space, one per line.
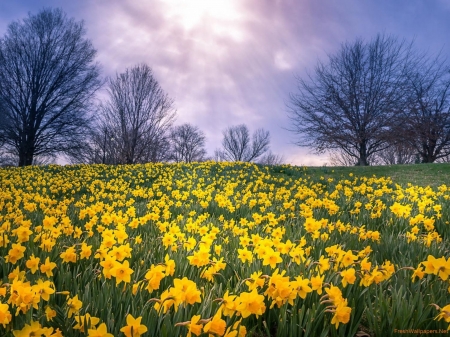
(227,62)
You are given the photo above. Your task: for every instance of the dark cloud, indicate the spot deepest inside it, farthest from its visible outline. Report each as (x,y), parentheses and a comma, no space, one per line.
(236,62)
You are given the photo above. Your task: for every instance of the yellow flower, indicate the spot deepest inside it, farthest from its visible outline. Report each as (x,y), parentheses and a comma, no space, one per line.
(86,321)
(444,314)
(166,301)
(32,263)
(431,265)
(335,294)
(118,252)
(419,272)
(228,304)
(134,328)
(323,264)
(34,329)
(250,303)
(86,251)
(272,258)
(69,255)
(101,331)
(245,255)
(122,272)
(444,268)
(170,265)
(348,259)
(47,267)
(341,314)
(5,315)
(49,313)
(15,253)
(44,289)
(168,240)
(186,290)
(255,281)
(316,283)
(194,328)
(57,333)
(200,257)
(348,276)
(23,233)
(154,277)
(190,243)
(302,286)
(216,326)
(242,330)
(108,263)
(365,264)
(74,305)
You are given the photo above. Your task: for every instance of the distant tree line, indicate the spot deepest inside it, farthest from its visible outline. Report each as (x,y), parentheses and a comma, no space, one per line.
(375,102)
(48,83)
(372,102)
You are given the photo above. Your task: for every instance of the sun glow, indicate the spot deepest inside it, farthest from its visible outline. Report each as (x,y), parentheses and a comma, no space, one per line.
(221,16)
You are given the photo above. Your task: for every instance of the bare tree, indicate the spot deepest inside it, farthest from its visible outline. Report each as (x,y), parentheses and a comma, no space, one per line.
(397,154)
(237,145)
(3,123)
(271,159)
(218,155)
(444,159)
(350,102)
(187,144)
(340,158)
(425,123)
(47,80)
(99,146)
(137,117)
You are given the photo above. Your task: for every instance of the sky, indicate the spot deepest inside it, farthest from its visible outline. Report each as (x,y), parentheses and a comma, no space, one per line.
(230,62)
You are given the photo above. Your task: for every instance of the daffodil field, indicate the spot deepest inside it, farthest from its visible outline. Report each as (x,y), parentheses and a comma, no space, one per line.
(219,249)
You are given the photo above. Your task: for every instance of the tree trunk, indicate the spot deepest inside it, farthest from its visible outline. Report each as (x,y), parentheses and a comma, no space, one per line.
(362,160)
(26,156)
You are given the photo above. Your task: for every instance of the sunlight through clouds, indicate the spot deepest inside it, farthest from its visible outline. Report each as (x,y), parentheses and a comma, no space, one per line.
(227,62)
(222,17)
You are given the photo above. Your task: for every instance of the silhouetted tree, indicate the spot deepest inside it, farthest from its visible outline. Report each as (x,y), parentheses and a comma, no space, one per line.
(271,159)
(3,123)
(350,102)
(238,146)
(397,154)
(136,118)
(340,158)
(425,122)
(47,80)
(99,146)
(187,144)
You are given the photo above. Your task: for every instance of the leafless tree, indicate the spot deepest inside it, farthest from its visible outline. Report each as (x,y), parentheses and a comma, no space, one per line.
(187,144)
(137,117)
(340,158)
(99,147)
(218,155)
(271,158)
(444,159)
(237,145)
(396,154)
(425,122)
(350,102)
(3,123)
(47,80)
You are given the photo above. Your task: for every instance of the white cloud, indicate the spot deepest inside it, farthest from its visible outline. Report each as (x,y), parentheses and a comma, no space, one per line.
(282,61)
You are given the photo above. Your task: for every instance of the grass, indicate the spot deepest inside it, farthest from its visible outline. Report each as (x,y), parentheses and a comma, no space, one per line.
(423,175)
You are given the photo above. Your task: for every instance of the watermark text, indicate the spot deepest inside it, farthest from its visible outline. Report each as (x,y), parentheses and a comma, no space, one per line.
(419,331)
